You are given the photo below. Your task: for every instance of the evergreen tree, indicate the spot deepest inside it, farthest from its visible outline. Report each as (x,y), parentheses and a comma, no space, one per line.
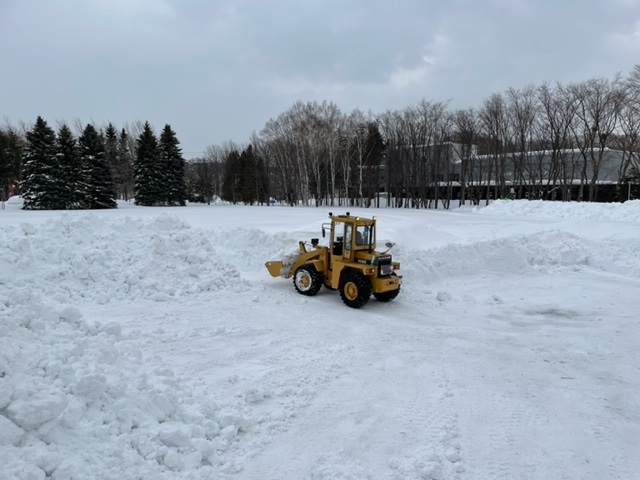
(110,142)
(110,136)
(96,185)
(69,159)
(375,146)
(231,178)
(123,172)
(42,184)
(4,167)
(13,150)
(149,172)
(248,186)
(374,151)
(262,182)
(171,157)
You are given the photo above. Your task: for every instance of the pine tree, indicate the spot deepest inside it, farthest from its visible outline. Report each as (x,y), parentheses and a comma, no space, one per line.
(375,146)
(4,167)
(248,187)
(12,152)
(123,173)
(149,173)
(171,157)
(373,157)
(96,185)
(262,182)
(69,159)
(110,136)
(231,178)
(41,186)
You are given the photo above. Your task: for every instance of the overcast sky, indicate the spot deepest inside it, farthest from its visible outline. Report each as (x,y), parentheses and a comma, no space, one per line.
(217,70)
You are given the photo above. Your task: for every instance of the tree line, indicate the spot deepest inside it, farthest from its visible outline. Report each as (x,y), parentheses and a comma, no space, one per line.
(548,141)
(56,170)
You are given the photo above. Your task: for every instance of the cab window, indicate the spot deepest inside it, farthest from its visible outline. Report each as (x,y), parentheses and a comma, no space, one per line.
(363,235)
(348,229)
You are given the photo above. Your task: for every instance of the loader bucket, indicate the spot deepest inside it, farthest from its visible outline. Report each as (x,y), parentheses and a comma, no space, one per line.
(278,268)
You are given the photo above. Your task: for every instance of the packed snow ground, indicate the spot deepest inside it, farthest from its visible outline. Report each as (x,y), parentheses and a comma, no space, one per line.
(152,343)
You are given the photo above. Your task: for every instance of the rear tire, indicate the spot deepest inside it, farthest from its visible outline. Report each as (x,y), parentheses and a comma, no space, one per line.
(355,290)
(307,280)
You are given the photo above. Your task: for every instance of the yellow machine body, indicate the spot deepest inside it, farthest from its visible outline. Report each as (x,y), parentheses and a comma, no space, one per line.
(350,263)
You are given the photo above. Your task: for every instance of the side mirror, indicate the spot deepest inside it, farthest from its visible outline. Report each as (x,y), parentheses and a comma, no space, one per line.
(324,234)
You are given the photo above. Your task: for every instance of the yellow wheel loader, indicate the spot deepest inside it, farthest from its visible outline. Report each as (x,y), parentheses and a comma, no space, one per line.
(350,263)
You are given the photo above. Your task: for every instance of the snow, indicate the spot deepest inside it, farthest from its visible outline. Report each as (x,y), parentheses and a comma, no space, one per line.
(538,208)
(153,343)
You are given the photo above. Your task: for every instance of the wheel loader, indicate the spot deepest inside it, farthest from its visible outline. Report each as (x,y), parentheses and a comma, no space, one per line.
(350,263)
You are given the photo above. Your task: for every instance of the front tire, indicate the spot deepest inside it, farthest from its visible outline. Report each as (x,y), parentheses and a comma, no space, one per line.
(355,290)
(307,280)
(387,296)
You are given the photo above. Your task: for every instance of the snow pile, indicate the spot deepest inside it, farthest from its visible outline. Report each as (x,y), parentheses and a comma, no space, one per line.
(88,258)
(628,211)
(15,201)
(75,400)
(76,403)
(518,254)
(249,248)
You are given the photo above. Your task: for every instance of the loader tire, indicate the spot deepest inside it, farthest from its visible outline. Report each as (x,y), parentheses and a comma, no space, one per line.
(387,296)
(355,290)
(307,280)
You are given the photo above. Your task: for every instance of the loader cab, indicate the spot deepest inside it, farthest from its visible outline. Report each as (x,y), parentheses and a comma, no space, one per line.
(350,234)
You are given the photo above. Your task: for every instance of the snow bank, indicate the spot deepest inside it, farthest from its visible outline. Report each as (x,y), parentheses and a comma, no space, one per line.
(76,401)
(87,258)
(628,211)
(545,251)
(15,201)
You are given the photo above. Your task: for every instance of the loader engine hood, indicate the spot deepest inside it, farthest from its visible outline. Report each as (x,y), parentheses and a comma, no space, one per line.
(382,262)
(373,258)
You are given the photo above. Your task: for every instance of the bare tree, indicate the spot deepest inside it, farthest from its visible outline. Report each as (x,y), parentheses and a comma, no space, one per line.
(553,129)
(521,113)
(600,104)
(356,128)
(466,126)
(494,123)
(330,129)
(391,128)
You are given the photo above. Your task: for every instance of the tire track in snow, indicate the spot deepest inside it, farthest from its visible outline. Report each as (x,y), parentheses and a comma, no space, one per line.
(432,419)
(509,432)
(371,420)
(294,444)
(603,431)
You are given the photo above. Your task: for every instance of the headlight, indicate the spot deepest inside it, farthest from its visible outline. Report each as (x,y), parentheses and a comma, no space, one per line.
(386,269)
